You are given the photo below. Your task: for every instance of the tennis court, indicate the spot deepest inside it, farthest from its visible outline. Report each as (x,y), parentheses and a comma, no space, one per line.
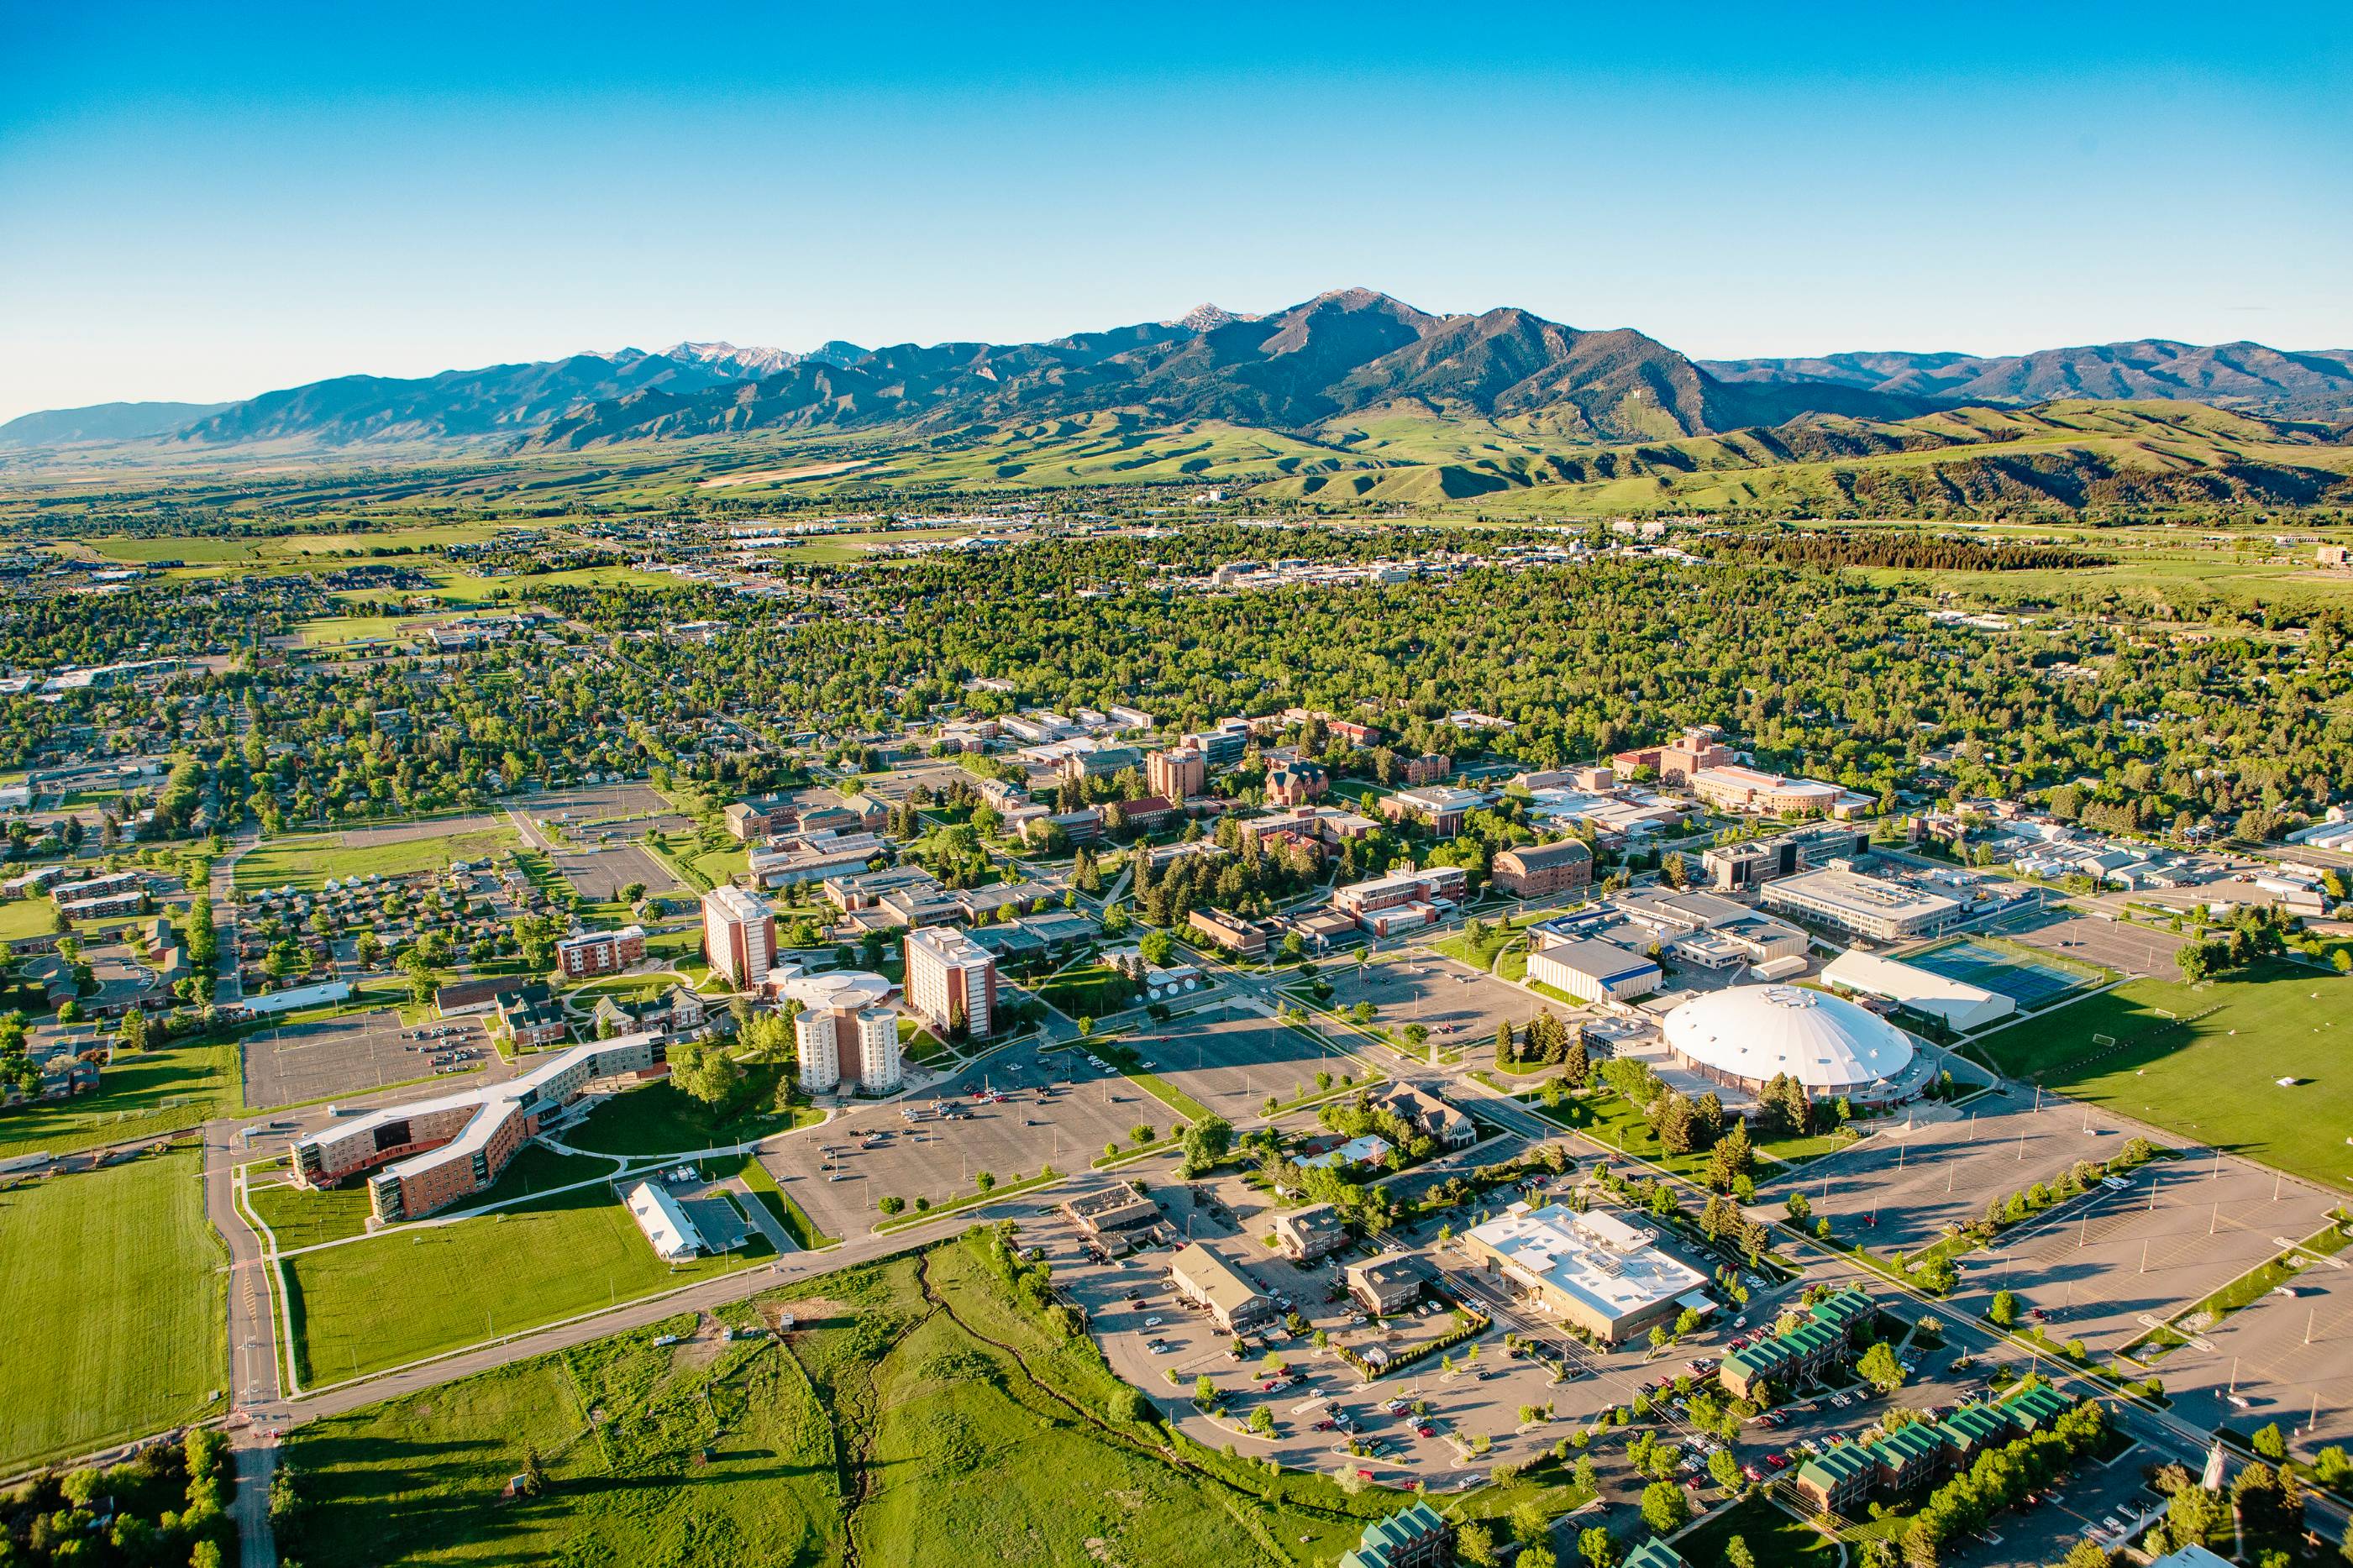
(2031,982)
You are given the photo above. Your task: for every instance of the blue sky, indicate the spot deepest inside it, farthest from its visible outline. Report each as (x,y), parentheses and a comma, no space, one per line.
(204,202)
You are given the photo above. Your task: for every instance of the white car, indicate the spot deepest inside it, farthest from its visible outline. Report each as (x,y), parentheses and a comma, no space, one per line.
(1152,1322)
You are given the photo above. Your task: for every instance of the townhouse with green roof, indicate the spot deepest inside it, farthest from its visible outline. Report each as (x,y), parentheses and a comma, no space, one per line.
(1415,1538)
(1788,1357)
(2035,1407)
(1655,1553)
(1909,1457)
(1972,1429)
(1838,1479)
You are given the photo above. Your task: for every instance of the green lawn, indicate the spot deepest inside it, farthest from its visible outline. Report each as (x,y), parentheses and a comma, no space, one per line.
(157,1092)
(297,1216)
(333,631)
(983,1437)
(307,861)
(659,1120)
(113,1287)
(21,917)
(2212,1080)
(419,1289)
(1089,991)
(1777,1539)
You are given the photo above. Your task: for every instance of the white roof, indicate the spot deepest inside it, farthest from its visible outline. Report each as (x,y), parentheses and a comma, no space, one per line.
(664,1221)
(1962,1006)
(1825,1042)
(1611,1269)
(843,990)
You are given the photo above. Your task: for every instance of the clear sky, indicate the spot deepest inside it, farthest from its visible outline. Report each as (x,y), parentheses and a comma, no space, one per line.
(204,201)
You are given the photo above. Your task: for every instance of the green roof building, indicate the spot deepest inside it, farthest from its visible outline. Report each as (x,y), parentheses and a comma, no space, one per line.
(2036,1406)
(1655,1553)
(1973,1428)
(1909,1456)
(1838,1477)
(1416,1538)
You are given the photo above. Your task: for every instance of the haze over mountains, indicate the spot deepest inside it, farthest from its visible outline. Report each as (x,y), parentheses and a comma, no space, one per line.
(1345,355)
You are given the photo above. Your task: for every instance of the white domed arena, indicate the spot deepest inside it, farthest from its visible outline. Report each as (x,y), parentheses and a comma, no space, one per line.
(1747,1035)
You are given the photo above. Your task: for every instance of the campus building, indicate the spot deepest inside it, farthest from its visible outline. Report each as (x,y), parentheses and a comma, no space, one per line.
(845,1038)
(1750,864)
(1541,870)
(430,1154)
(739,935)
(1441,805)
(1310,1233)
(668,1229)
(591,952)
(1594,971)
(1848,900)
(1235,933)
(1696,748)
(951,983)
(1402,901)
(1599,1272)
(1296,783)
(1755,791)
(1746,1035)
(1177,773)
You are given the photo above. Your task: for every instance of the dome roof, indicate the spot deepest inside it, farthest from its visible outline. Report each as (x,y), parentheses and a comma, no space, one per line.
(845,990)
(1825,1042)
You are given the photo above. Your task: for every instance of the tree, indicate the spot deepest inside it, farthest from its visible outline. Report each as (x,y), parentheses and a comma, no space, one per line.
(1475,1544)
(1725,1469)
(704,1072)
(1593,1544)
(891,1205)
(1881,1368)
(1206,1142)
(2004,1311)
(985,1180)
(1665,1509)
(2269,1444)
(1736,1552)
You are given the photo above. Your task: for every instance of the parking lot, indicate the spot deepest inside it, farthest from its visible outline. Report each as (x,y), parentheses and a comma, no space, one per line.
(600,872)
(1459,1005)
(1230,1059)
(1057,1110)
(350,1055)
(2102,1265)
(2290,1358)
(2113,944)
(640,806)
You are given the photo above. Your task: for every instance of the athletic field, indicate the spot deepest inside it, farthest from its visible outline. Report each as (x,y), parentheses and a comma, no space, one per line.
(2204,1062)
(115,1294)
(2029,982)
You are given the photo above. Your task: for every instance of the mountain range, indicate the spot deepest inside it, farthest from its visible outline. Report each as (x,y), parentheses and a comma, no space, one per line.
(1346,355)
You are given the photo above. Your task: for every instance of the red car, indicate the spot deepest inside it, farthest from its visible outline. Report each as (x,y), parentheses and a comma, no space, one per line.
(1779,1461)
(1426,1430)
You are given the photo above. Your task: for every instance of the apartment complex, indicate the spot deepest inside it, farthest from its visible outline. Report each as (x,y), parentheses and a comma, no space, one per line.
(951,982)
(430,1154)
(1310,1233)
(1846,1477)
(1418,1537)
(590,952)
(1798,1352)
(739,935)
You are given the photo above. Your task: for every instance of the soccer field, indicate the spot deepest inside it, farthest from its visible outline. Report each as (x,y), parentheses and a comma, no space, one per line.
(115,1298)
(419,1289)
(2210,1072)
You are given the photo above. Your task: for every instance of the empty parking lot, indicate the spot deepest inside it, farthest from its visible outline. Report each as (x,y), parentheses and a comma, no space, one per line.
(600,874)
(350,1055)
(1230,1059)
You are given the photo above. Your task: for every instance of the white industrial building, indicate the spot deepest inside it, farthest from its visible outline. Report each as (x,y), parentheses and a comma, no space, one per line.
(668,1228)
(1596,1270)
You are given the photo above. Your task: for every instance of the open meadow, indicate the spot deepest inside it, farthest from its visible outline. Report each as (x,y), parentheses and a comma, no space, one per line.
(2205,1062)
(115,1276)
(914,1408)
(309,861)
(419,1289)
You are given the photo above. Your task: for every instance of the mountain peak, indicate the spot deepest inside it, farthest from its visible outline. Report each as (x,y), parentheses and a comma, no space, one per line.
(1208,318)
(752,362)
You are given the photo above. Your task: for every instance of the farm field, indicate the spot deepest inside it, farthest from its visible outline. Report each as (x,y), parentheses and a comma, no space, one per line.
(2211,1079)
(982,1436)
(310,861)
(423,1288)
(113,1275)
(150,1095)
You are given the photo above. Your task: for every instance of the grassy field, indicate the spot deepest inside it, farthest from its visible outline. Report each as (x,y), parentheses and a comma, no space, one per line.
(1775,1538)
(2210,1078)
(111,1278)
(975,1433)
(420,1290)
(660,1119)
(147,1096)
(1090,990)
(333,631)
(21,917)
(300,1217)
(310,861)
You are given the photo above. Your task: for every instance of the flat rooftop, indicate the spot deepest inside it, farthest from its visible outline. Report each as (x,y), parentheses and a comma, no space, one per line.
(1598,1260)
(1851,893)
